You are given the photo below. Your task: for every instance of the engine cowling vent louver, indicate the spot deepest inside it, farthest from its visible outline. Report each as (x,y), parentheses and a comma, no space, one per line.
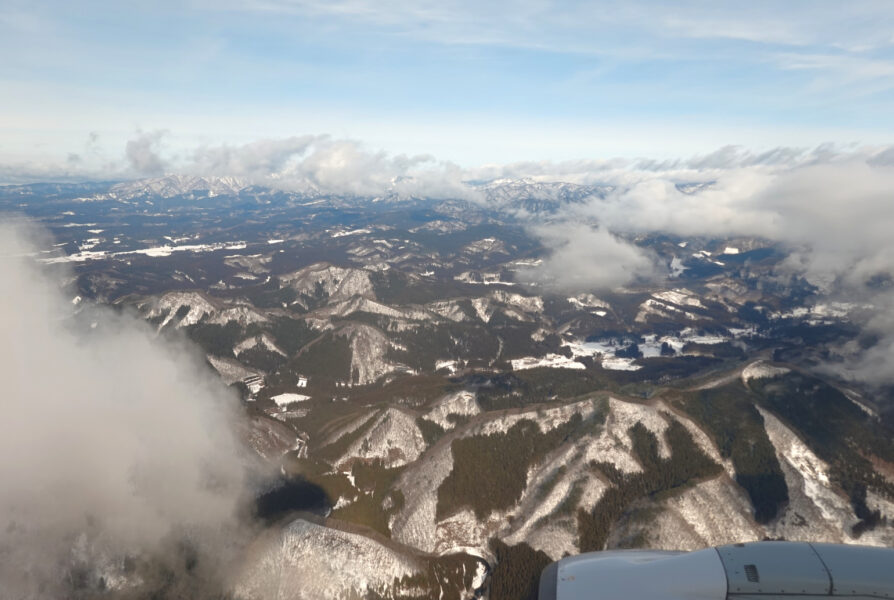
(751,573)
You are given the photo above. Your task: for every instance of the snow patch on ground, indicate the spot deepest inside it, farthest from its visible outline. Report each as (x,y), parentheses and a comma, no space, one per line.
(483,308)
(613,445)
(482,278)
(691,335)
(546,418)
(465,529)
(286,399)
(486,245)
(305,561)
(270,439)
(244,315)
(665,310)
(393,437)
(614,363)
(338,283)
(450,365)
(449,309)
(170,303)
(460,403)
(349,428)
(230,370)
(416,523)
(154,252)
(534,520)
(712,513)
(338,234)
(680,296)
(263,340)
(762,370)
(816,511)
(531,304)
(604,349)
(585,301)
(553,361)
(822,311)
(369,348)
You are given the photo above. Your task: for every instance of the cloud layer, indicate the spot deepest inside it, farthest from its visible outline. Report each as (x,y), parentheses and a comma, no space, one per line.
(830,206)
(112,443)
(585,258)
(832,211)
(330,166)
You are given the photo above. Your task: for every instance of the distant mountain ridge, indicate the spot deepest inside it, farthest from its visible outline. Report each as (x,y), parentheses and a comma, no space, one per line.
(522,195)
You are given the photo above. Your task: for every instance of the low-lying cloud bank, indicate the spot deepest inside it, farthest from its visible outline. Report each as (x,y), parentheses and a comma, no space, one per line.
(836,217)
(833,212)
(318,162)
(113,444)
(586,258)
(297,163)
(832,207)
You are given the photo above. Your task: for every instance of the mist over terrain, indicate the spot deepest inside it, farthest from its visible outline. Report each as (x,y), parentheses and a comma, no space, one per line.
(829,207)
(115,445)
(834,216)
(457,375)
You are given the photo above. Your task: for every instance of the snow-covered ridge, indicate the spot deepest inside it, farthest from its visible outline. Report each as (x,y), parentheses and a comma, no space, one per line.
(528,190)
(563,476)
(169,305)
(339,283)
(306,561)
(263,341)
(369,351)
(202,308)
(812,497)
(461,403)
(762,370)
(176,185)
(393,437)
(589,301)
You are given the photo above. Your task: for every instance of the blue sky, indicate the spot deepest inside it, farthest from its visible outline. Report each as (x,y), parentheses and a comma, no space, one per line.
(470,82)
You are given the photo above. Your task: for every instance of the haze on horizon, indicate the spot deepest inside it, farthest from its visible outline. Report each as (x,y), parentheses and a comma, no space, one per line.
(468,83)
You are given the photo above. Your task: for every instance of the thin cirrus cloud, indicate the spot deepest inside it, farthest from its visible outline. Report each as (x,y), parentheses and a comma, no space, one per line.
(469,82)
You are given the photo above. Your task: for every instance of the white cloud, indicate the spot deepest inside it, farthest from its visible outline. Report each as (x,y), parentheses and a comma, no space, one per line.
(112,442)
(834,211)
(143,153)
(585,258)
(331,166)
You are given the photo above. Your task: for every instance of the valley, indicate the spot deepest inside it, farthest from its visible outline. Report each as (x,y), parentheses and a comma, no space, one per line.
(460,423)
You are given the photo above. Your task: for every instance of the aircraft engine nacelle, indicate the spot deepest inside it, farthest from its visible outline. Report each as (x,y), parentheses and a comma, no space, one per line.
(753,571)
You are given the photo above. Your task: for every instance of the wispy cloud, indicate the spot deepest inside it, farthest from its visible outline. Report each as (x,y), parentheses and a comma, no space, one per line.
(332,166)
(587,258)
(96,468)
(519,80)
(142,153)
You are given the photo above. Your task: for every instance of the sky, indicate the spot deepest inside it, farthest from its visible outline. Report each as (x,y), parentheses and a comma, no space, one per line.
(468,82)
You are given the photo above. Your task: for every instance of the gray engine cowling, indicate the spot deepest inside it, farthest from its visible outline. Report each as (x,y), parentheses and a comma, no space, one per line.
(764,570)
